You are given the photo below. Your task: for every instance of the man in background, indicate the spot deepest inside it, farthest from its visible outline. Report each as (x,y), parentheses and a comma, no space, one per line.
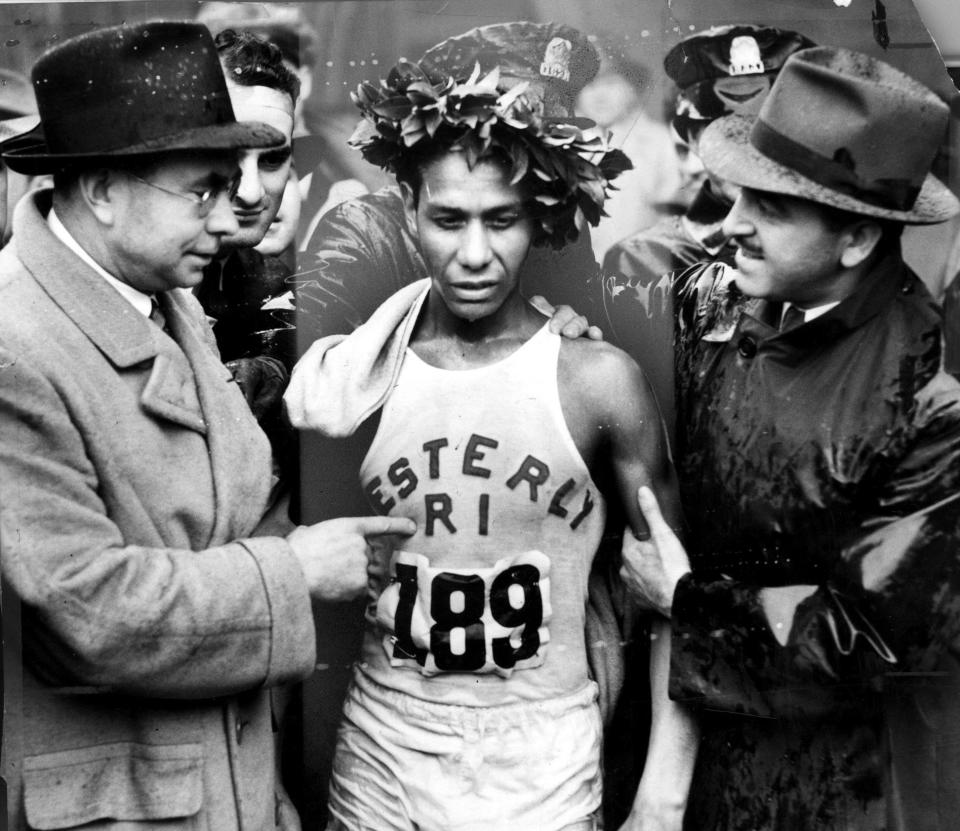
(238,283)
(720,71)
(18,114)
(322,179)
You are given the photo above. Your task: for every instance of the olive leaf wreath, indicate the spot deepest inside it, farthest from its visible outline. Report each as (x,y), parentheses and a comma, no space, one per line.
(571,157)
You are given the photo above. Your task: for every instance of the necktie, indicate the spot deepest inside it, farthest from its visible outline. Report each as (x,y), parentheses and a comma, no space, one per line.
(792,318)
(156,315)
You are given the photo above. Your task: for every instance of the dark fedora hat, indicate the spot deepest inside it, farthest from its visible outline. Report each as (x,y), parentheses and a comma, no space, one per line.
(18,106)
(842,129)
(129,91)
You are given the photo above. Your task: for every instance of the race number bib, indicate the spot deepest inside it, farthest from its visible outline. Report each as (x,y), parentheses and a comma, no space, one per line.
(466,620)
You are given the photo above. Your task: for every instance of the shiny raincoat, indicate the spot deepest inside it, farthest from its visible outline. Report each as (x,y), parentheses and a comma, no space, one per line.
(631,300)
(819,464)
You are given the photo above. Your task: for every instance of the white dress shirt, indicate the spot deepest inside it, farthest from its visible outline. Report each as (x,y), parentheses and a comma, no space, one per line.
(811,314)
(143,303)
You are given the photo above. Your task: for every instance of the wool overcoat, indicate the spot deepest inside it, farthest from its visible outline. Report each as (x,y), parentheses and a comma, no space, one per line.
(154,615)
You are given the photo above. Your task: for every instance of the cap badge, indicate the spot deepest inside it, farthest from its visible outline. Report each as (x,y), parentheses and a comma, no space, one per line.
(745,56)
(556,59)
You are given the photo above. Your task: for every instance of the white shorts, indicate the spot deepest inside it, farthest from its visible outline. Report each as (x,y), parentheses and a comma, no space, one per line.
(403,764)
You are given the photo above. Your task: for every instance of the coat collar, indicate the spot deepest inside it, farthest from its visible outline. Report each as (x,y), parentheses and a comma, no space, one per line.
(703,220)
(760,318)
(123,335)
(83,295)
(888,277)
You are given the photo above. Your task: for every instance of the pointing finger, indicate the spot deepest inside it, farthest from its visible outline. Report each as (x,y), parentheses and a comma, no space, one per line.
(371,526)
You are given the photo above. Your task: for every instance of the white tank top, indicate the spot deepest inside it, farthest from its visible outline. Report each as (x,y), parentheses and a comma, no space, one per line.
(485,604)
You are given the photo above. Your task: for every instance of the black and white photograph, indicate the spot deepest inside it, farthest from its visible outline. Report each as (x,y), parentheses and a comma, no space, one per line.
(480,415)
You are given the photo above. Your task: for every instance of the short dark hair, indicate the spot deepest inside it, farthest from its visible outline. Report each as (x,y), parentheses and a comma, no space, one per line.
(890,229)
(252,61)
(408,168)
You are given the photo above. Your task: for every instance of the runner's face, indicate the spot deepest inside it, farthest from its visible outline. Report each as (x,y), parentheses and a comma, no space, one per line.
(474,232)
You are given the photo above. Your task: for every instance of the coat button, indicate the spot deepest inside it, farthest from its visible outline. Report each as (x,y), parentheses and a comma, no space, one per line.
(747,347)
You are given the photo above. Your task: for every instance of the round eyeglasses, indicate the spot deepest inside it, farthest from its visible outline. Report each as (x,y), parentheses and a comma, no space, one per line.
(203,201)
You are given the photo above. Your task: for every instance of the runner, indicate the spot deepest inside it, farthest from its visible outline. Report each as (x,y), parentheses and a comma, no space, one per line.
(473,706)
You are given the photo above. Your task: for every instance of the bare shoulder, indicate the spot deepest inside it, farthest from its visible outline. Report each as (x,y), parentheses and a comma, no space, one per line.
(599,368)
(603,389)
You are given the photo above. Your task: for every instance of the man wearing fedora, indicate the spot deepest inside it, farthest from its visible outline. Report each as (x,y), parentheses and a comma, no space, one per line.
(158,594)
(721,71)
(818,450)
(241,281)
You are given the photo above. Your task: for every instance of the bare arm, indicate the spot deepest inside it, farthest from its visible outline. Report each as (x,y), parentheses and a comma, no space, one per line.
(662,794)
(614,415)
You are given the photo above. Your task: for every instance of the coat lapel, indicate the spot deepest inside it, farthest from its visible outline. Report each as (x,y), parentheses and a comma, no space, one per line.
(234,440)
(171,393)
(118,330)
(124,336)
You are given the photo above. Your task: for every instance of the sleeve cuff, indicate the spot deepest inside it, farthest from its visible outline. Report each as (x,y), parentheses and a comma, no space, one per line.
(293,643)
(718,642)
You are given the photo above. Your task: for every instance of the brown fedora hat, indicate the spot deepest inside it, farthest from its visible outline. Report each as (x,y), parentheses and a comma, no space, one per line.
(842,129)
(127,91)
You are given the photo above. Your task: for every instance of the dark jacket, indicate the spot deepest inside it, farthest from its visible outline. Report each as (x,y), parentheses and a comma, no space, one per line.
(632,301)
(362,252)
(233,292)
(825,456)
(253,323)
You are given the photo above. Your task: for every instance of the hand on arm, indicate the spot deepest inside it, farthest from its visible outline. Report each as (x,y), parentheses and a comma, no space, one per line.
(651,571)
(652,566)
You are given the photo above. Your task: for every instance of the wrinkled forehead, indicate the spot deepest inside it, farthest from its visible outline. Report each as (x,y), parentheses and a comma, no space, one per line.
(264,104)
(448,180)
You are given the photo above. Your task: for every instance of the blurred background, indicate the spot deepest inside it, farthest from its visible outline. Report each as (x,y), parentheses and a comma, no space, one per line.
(337,44)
